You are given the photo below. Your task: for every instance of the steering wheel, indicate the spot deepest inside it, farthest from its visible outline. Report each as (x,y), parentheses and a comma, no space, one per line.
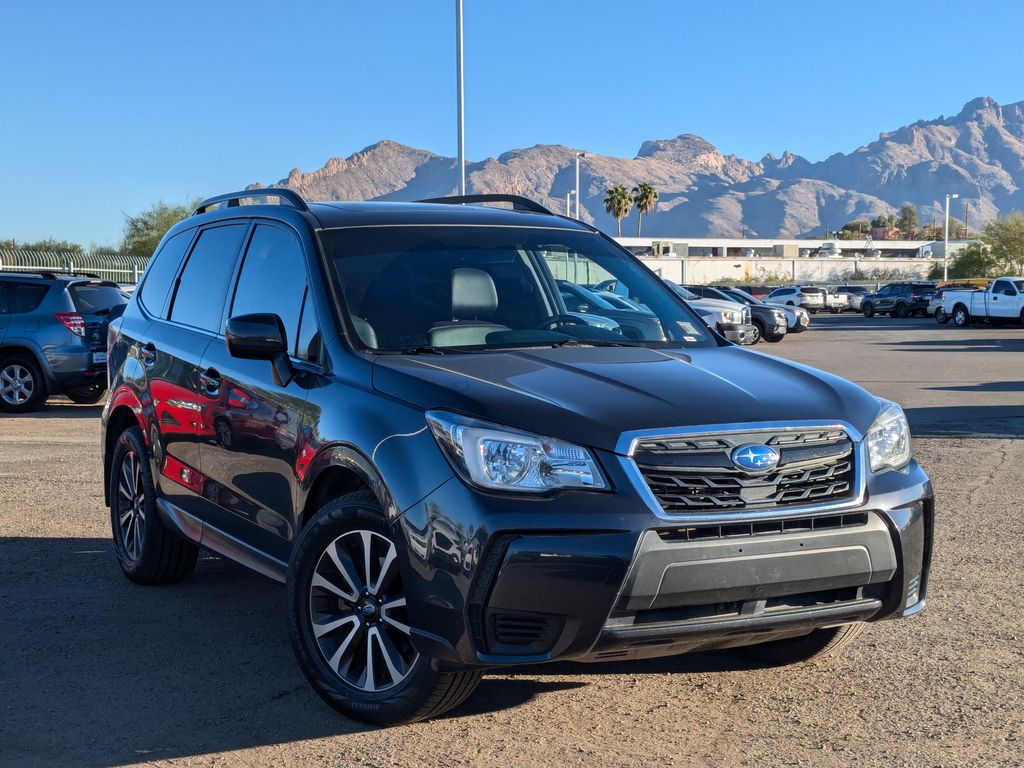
(555,321)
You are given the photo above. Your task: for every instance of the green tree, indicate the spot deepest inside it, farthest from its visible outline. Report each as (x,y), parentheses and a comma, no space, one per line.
(645,197)
(885,221)
(49,244)
(907,221)
(618,203)
(974,260)
(142,232)
(1005,238)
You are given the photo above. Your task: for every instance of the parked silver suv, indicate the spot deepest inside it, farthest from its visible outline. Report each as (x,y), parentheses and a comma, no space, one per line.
(53,337)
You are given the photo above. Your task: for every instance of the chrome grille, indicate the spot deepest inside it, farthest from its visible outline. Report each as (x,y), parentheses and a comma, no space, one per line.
(696,473)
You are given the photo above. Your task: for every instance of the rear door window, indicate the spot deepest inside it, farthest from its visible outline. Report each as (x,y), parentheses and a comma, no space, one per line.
(19,298)
(273,278)
(92,299)
(158,281)
(199,298)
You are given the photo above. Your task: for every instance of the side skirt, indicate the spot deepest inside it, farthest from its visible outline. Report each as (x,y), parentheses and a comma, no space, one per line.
(214,539)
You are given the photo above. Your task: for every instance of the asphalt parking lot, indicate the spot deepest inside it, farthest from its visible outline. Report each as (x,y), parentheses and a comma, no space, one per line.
(96,671)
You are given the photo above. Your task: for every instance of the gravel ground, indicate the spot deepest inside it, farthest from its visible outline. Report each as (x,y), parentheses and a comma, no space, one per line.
(95,671)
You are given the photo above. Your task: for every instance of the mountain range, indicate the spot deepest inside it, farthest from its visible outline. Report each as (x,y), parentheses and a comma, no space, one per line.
(978,153)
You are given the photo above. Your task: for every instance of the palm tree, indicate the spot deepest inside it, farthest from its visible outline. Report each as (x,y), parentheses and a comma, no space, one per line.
(645,197)
(618,203)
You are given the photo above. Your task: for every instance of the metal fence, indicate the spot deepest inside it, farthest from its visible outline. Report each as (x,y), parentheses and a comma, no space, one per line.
(120,267)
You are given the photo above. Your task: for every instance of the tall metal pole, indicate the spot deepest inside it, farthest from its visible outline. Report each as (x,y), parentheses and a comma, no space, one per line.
(461,96)
(578,185)
(945,250)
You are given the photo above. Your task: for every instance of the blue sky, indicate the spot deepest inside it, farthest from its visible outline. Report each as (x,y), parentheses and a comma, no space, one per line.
(106,107)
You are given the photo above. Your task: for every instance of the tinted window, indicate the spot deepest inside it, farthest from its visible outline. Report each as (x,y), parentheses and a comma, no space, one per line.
(157,282)
(91,299)
(203,284)
(273,278)
(16,298)
(1000,286)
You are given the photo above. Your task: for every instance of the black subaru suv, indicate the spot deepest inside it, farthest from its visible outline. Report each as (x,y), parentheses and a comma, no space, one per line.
(388,407)
(899,300)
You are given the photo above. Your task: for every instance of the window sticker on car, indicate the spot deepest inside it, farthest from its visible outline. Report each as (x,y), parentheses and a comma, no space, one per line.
(688,328)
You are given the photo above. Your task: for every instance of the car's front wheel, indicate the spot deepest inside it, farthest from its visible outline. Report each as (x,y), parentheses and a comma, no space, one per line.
(147,551)
(868,309)
(349,625)
(793,650)
(758,332)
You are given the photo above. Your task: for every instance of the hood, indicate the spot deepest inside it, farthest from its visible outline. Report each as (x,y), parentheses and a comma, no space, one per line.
(715,305)
(591,395)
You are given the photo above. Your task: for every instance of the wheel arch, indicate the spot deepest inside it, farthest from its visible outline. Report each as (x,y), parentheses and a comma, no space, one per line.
(124,413)
(337,470)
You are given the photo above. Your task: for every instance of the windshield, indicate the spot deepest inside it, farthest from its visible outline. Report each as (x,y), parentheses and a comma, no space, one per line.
(741,296)
(421,288)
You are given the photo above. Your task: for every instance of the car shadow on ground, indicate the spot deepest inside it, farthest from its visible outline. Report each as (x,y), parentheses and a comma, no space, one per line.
(974,344)
(61,409)
(97,670)
(991,421)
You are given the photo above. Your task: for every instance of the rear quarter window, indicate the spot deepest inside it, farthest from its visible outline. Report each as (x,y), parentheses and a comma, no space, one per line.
(158,280)
(19,298)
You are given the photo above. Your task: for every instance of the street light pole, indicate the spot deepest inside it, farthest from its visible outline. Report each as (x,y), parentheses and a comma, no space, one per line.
(578,156)
(945,249)
(460,90)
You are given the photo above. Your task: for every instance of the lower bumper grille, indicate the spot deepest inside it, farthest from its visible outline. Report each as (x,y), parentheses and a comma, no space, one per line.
(691,474)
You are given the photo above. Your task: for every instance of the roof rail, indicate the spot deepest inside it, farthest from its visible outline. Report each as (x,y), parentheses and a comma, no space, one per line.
(519,203)
(232,199)
(43,273)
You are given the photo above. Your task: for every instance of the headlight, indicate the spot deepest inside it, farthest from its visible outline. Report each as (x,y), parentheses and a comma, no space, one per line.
(779,315)
(889,439)
(498,458)
(731,316)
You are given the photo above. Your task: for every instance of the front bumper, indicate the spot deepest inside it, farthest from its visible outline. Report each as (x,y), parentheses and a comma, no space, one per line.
(738,333)
(594,576)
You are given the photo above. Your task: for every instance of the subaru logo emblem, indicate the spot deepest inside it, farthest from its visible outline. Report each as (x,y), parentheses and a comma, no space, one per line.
(755,457)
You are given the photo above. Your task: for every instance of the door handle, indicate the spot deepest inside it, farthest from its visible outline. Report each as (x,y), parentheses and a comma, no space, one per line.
(209,380)
(147,353)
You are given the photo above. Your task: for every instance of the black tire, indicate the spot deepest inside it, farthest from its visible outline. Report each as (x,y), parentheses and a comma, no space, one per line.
(818,644)
(22,386)
(868,309)
(775,338)
(902,310)
(88,394)
(156,555)
(940,316)
(758,331)
(424,690)
(961,317)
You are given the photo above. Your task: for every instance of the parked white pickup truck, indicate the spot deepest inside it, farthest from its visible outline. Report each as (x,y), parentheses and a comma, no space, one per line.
(1002,301)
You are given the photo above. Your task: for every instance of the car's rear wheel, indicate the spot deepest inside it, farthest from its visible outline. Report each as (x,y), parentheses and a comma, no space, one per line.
(88,394)
(961,317)
(902,310)
(940,316)
(22,387)
(147,551)
(794,650)
(348,621)
(868,309)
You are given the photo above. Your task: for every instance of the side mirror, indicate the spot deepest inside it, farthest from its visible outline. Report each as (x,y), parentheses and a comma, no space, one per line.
(583,308)
(260,337)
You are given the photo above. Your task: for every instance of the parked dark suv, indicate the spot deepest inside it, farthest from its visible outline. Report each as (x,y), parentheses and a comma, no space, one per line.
(899,300)
(53,337)
(452,473)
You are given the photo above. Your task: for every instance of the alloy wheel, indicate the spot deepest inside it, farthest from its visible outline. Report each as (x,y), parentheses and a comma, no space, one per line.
(357,608)
(131,505)
(16,384)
